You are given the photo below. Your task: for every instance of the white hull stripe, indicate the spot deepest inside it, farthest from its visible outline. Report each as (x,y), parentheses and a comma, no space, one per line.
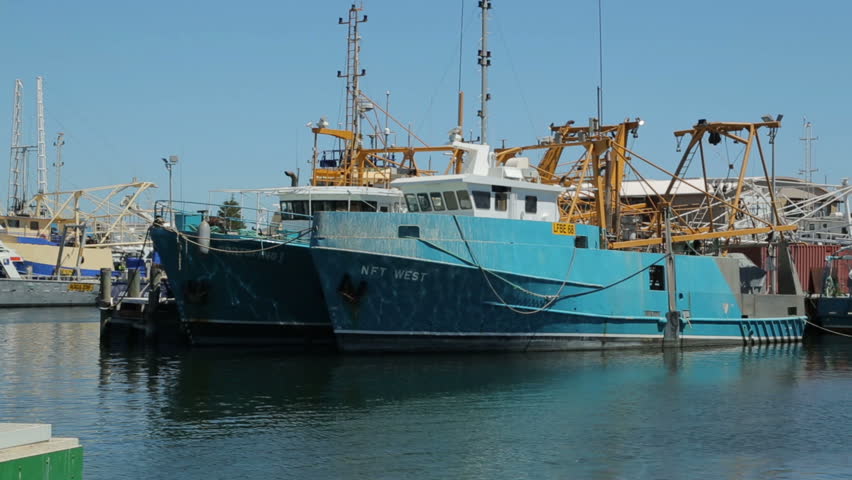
(491,334)
(195,321)
(731,337)
(737,338)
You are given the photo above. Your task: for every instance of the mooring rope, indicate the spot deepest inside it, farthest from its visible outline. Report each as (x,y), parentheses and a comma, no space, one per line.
(504,279)
(485,272)
(827,329)
(551,298)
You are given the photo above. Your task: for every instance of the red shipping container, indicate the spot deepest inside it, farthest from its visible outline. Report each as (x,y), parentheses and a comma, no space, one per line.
(809,261)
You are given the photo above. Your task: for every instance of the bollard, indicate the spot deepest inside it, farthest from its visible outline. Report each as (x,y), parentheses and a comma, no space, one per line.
(150,314)
(106,286)
(133,283)
(156,276)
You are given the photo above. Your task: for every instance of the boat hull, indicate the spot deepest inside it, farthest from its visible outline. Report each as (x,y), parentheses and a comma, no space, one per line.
(530,292)
(40,257)
(245,291)
(46,293)
(834,313)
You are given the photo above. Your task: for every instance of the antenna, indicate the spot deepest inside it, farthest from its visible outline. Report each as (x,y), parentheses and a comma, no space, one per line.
(387,118)
(484,62)
(42,147)
(460,122)
(60,141)
(353,53)
(600,65)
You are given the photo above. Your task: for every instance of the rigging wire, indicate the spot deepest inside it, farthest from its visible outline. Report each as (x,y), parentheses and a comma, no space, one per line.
(515,73)
(427,111)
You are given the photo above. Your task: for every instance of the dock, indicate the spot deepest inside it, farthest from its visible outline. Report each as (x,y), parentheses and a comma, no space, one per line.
(138,314)
(28,451)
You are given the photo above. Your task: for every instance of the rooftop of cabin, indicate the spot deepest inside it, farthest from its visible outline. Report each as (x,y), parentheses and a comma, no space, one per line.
(310,192)
(462,180)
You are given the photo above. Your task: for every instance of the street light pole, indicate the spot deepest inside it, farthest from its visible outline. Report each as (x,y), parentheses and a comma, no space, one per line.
(773,131)
(170,163)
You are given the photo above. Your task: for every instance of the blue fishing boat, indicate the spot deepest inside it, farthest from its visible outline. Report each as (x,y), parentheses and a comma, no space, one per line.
(503,256)
(235,288)
(486,264)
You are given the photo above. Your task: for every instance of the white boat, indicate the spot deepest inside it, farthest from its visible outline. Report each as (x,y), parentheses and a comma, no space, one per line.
(17,290)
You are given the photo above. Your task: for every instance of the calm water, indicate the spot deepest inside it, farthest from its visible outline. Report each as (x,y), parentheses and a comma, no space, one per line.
(781,412)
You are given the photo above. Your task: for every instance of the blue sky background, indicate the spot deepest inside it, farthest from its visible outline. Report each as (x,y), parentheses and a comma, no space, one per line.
(229,86)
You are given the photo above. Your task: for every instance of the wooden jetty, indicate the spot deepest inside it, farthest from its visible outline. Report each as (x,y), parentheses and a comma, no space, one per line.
(139,314)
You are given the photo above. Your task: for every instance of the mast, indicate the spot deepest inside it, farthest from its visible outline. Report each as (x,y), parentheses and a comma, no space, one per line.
(17,162)
(353,54)
(14,168)
(484,63)
(807,171)
(42,146)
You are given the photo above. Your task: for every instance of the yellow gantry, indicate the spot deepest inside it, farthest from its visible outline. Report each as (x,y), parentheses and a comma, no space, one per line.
(594,183)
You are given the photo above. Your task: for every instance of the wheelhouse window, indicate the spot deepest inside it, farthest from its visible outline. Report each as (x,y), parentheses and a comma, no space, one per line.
(331,206)
(286,210)
(501,201)
(411,200)
(464,200)
(531,204)
(301,209)
(34,225)
(437,201)
(364,206)
(423,200)
(482,200)
(451,201)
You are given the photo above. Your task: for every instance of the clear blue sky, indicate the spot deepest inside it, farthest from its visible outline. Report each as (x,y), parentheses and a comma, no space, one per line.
(229,86)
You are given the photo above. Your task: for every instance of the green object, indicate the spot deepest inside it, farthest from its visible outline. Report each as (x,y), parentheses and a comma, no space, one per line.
(247,232)
(231,214)
(58,465)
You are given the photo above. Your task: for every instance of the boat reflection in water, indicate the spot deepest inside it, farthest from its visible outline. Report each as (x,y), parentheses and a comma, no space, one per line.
(229,413)
(582,413)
